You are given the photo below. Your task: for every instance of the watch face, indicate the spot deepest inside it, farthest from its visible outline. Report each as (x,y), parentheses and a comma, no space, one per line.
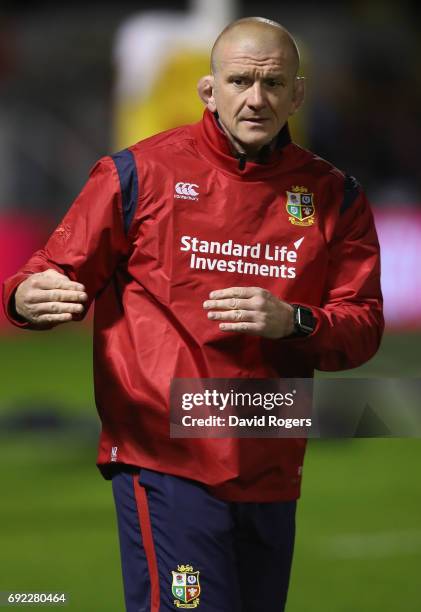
(307,318)
(305,322)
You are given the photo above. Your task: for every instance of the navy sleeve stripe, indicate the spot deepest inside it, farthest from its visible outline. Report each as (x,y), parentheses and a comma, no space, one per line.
(351,192)
(127,172)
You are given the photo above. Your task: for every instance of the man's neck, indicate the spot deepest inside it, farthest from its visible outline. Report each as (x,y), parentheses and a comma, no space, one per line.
(238,149)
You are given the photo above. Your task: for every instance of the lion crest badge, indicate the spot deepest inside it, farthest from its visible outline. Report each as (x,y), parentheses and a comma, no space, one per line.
(300,206)
(186,587)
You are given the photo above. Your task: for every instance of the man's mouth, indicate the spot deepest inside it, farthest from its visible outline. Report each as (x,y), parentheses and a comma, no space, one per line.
(255,120)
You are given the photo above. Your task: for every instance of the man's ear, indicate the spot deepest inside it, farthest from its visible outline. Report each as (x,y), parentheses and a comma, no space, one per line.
(298,97)
(205,89)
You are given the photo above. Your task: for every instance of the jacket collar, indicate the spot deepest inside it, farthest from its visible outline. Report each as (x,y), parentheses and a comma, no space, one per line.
(215,146)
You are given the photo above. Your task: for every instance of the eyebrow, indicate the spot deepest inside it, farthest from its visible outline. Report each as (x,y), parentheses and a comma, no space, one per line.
(269,75)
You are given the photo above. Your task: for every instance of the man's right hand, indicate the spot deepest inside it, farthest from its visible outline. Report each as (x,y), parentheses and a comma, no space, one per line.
(49,297)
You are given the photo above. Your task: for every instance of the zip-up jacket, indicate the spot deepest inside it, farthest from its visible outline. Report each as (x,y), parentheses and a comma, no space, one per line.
(161,224)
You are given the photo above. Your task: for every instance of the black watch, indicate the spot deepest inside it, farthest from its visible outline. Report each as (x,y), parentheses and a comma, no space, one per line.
(304,321)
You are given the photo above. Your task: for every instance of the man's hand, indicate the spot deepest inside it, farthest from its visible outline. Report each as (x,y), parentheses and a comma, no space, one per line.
(250,310)
(49,298)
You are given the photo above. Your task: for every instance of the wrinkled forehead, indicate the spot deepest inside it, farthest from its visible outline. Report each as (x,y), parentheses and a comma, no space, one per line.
(262,52)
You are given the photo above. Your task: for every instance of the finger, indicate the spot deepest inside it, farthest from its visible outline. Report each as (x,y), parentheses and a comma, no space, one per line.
(55,281)
(241,328)
(233,315)
(236,292)
(228,304)
(54,318)
(55,295)
(57,308)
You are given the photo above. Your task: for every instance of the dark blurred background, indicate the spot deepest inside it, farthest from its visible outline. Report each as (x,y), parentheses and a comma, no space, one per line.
(82,80)
(57,80)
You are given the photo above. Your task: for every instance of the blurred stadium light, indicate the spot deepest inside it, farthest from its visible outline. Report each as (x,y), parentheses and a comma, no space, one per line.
(160,56)
(400,238)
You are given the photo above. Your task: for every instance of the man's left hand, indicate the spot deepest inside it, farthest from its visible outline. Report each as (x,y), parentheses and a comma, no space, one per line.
(250,310)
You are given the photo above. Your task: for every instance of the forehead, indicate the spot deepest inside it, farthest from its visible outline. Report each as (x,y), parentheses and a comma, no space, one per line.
(272,54)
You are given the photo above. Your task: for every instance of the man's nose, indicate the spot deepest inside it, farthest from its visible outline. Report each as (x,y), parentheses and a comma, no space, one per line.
(256,96)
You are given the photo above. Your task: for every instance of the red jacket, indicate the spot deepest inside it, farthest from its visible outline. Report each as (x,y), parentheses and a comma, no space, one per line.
(160,225)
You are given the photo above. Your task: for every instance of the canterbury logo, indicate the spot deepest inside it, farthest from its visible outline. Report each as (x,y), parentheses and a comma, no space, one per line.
(186,191)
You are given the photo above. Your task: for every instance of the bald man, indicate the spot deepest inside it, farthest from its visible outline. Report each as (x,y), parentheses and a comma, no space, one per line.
(254,85)
(219,250)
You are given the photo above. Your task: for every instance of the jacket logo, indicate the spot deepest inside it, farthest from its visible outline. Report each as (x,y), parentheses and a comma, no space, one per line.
(186,587)
(300,205)
(63,232)
(186,191)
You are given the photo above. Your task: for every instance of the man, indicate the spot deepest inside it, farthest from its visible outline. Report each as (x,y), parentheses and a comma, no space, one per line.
(223,250)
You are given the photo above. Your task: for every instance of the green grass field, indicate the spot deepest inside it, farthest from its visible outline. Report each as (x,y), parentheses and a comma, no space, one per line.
(359,520)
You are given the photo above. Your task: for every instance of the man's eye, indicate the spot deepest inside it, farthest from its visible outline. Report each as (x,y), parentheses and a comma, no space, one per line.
(238,81)
(273,83)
